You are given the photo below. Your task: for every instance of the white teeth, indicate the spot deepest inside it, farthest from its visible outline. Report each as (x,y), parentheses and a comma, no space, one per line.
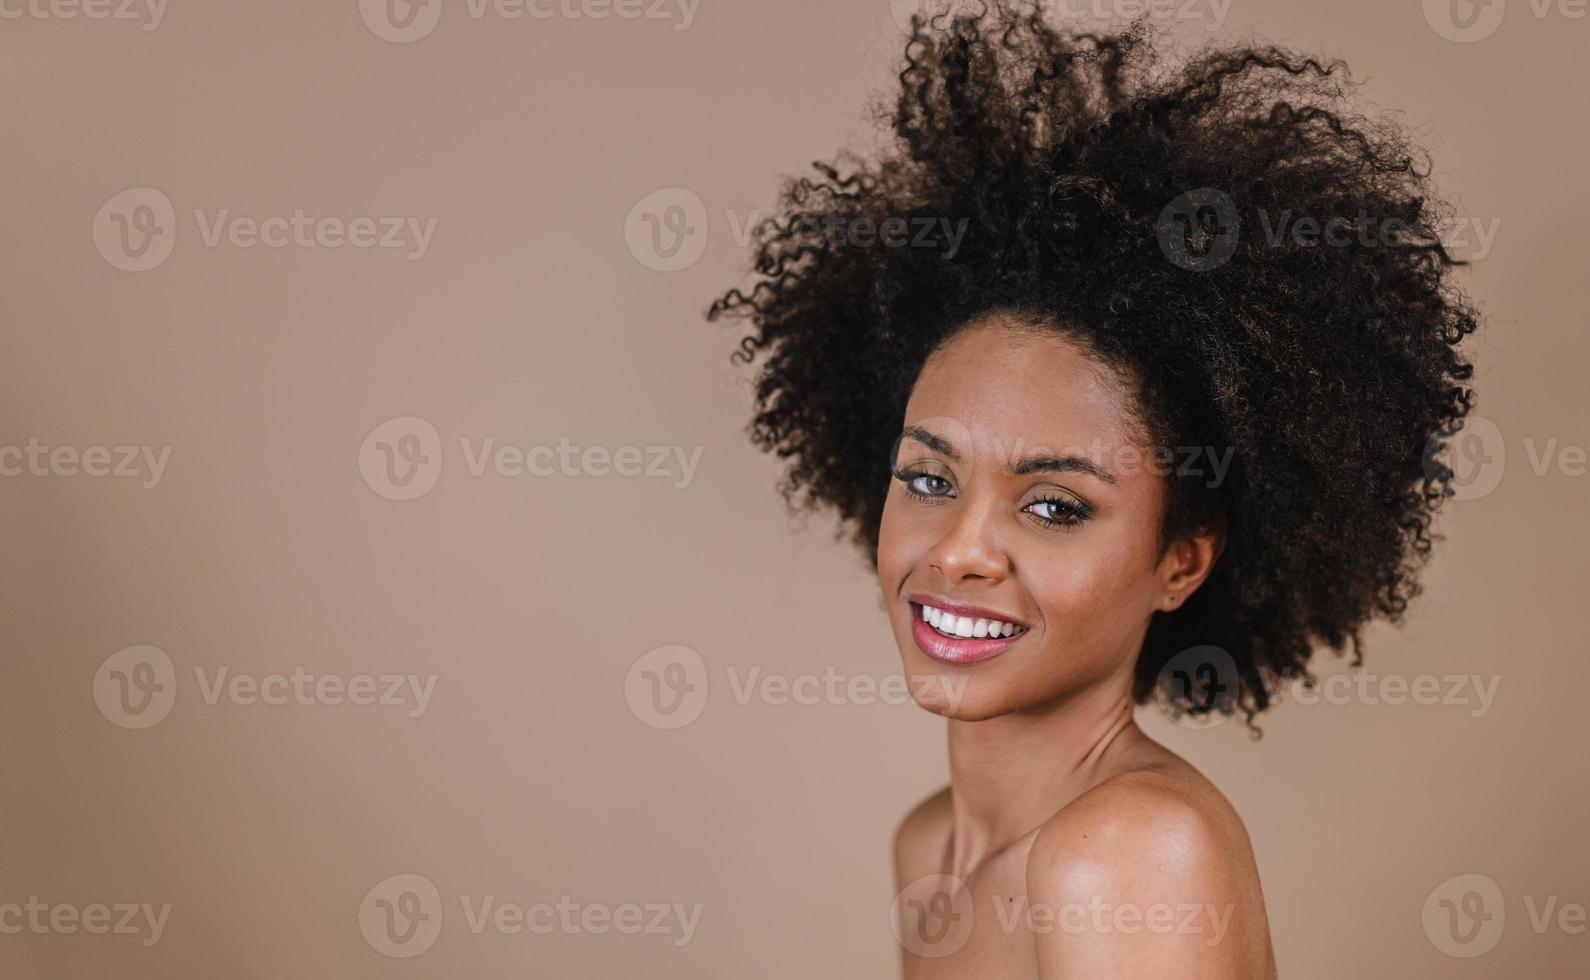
(966,627)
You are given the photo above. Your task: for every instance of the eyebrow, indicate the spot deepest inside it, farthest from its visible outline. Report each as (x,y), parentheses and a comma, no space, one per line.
(1024,466)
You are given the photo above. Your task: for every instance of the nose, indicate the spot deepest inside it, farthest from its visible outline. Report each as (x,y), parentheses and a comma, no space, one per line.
(967,548)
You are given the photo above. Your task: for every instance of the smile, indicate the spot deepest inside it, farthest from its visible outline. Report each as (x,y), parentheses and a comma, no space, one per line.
(958,634)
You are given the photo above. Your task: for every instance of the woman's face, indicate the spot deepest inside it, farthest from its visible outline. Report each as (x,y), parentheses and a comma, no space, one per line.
(1028,494)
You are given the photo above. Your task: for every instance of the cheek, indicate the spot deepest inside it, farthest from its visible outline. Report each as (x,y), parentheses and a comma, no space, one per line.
(898,547)
(1089,593)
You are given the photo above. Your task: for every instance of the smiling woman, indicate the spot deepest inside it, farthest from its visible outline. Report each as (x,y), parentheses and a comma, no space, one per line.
(975,507)
(1123,427)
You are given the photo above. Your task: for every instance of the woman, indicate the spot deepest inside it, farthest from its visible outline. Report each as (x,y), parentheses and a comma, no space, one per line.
(1159,363)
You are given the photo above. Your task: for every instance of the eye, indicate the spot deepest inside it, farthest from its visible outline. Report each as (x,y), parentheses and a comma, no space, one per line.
(922,485)
(1057,511)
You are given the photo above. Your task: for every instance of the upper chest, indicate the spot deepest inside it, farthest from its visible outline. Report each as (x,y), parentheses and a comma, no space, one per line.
(980,927)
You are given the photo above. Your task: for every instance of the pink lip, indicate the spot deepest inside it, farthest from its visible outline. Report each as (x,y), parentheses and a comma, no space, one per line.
(954,650)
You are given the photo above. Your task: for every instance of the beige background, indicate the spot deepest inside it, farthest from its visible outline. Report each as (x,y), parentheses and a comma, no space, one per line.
(531,319)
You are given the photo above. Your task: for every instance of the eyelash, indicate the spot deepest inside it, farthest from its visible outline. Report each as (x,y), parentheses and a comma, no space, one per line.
(1074,512)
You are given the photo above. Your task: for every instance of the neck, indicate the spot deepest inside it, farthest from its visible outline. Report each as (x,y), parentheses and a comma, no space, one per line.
(1008,775)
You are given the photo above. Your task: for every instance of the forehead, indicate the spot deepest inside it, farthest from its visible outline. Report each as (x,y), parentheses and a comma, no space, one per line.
(995,384)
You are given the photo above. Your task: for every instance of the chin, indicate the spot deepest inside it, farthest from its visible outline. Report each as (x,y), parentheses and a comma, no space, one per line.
(955,692)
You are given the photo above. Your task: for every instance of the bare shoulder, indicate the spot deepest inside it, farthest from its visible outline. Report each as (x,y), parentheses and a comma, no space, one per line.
(1151,869)
(1170,814)
(921,837)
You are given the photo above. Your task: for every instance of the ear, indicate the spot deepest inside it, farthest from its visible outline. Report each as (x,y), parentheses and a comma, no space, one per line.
(1188,561)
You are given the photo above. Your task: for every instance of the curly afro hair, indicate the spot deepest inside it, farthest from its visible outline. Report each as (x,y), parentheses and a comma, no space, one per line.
(1134,208)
